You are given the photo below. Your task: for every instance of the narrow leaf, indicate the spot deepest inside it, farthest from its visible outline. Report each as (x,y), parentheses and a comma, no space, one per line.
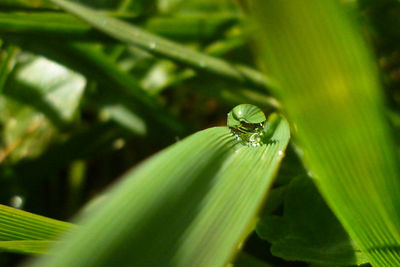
(6,64)
(27,246)
(66,26)
(42,4)
(133,35)
(190,205)
(21,225)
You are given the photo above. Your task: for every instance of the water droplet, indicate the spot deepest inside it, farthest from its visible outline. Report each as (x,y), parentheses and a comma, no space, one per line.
(104,115)
(17,202)
(246,122)
(118,144)
(280,153)
(12,122)
(153,45)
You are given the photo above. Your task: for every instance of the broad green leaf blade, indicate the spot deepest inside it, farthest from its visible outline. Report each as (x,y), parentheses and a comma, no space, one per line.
(27,246)
(308,231)
(330,90)
(190,205)
(21,225)
(133,35)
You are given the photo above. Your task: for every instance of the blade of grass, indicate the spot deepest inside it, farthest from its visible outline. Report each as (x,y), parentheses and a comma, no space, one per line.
(67,26)
(6,64)
(133,35)
(40,4)
(190,205)
(329,86)
(27,246)
(21,225)
(146,106)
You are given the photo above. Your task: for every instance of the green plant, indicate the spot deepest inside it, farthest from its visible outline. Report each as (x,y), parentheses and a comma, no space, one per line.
(93,88)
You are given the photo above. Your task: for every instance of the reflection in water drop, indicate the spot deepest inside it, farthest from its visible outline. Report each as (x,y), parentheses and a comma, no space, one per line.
(250,126)
(246,122)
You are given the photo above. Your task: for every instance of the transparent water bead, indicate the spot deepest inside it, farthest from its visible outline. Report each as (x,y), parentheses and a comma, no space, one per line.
(246,122)
(153,45)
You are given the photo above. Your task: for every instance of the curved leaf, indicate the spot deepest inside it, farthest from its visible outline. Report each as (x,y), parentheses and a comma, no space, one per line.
(330,89)
(133,35)
(190,205)
(21,225)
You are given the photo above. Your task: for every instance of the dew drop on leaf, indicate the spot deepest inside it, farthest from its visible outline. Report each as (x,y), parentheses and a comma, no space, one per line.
(246,123)
(152,45)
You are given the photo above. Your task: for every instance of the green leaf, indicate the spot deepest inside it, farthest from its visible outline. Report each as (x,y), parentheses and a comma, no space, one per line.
(66,26)
(42,4)
(7,63)
(38,96)
(49,87)
(308,231)
(28,233)
(133,35)
(190,205)
(115,85)
(195,6)
(330,90)
(21,225)
(246,260)
(27,246)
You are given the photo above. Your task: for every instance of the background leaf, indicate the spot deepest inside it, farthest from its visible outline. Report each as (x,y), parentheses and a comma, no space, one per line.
(133,35)
(329,86)
(308,231)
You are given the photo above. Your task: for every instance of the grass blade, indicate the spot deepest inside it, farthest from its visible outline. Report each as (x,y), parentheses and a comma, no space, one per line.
(6,64)
(329,86)
(26,246)
(21,225)
(190,205)
(41,4)
(133,35)
(66,26)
